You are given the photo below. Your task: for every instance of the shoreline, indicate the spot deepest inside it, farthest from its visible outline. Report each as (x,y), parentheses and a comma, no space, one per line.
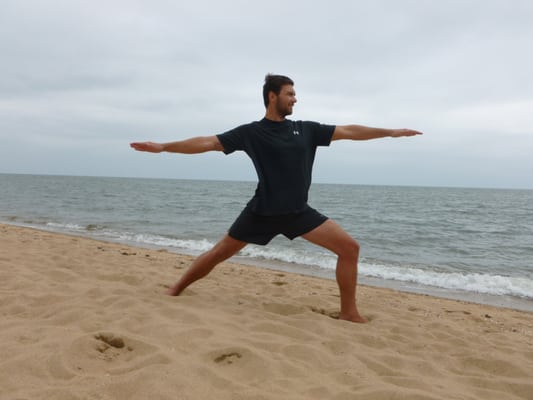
(84,318)
(502,301)
(510,302)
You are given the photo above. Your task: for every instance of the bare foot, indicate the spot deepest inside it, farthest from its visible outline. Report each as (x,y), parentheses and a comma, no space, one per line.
(174,290)
(353,318)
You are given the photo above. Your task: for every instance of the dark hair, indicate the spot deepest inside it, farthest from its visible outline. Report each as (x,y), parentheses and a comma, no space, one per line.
(273,83)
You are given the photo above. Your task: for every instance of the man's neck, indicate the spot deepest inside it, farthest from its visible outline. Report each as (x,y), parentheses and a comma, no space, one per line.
(274,116)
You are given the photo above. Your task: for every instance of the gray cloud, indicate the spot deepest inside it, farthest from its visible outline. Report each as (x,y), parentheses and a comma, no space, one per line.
(79,80)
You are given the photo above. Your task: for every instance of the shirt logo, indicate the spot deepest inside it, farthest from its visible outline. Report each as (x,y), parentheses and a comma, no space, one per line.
(295,132)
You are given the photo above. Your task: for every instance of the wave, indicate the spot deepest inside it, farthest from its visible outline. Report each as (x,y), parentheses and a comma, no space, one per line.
(491,284)
(132,237)
(471,282)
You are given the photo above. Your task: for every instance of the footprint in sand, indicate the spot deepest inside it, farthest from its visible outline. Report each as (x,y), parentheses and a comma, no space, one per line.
(331,314)
(228,358)
(110,353)
(233,364)
(109,341)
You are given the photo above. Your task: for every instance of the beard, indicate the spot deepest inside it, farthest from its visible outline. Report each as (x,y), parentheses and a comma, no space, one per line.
(284,110)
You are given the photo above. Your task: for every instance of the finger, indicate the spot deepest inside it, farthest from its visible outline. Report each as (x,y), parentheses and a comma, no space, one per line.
(138,146)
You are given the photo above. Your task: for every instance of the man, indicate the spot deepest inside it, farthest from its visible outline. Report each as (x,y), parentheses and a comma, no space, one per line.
(283,152)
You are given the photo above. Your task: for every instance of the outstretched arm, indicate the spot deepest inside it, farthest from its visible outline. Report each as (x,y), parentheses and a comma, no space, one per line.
(195,145)
(360,132)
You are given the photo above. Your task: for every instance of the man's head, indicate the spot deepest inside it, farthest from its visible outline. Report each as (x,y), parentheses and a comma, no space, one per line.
(280,89)
(274,83)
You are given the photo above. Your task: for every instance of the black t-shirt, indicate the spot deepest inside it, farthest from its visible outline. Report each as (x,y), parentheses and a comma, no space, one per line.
(283,154)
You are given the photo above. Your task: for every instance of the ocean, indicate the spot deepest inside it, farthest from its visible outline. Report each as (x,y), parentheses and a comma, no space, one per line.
(469,244)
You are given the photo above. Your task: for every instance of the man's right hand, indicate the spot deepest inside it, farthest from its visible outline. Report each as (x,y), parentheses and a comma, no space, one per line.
(151,147)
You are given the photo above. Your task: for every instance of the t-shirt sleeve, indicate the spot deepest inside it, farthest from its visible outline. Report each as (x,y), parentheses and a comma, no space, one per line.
(322,133)
(232,140)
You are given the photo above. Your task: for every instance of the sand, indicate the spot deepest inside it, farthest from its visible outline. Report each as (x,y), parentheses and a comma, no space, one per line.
(83,319)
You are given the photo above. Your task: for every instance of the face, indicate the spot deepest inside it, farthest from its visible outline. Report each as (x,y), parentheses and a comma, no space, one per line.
(284,102)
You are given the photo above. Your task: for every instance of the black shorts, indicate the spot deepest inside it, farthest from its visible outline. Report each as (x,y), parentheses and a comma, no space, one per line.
(260,229)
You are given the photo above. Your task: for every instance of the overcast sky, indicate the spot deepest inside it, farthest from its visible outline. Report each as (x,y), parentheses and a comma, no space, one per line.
(81,79)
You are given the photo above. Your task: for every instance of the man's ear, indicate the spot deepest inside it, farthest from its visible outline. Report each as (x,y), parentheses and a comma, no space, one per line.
(271,97)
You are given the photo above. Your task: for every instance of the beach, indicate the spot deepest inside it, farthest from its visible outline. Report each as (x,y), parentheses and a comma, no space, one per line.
(88,319)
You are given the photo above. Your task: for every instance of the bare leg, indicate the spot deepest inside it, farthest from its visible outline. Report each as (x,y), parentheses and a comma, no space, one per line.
(332,237)
(200,267)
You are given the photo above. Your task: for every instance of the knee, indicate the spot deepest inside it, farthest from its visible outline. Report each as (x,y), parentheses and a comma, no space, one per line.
(350,248)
